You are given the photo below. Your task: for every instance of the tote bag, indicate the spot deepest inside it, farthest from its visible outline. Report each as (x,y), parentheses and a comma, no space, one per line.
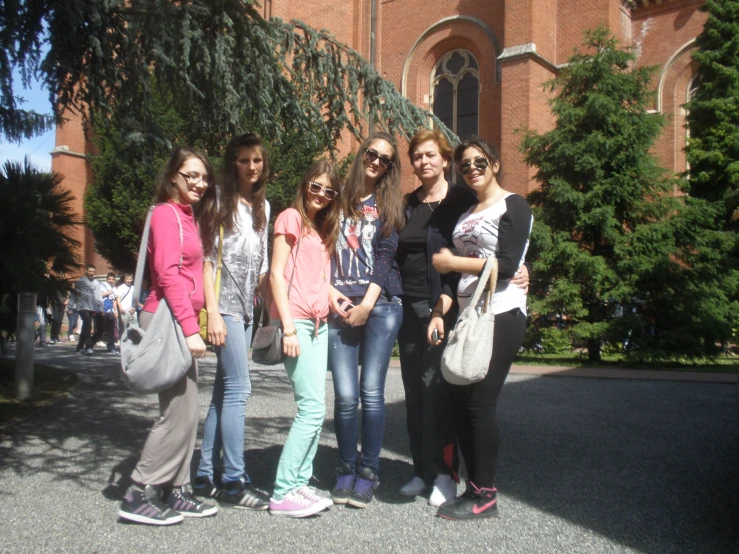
(155,359)
(469,349)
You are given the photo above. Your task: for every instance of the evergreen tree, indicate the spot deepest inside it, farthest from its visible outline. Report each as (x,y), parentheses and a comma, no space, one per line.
(602,212)
(713,158)
(713,114)
(219,57)
(126,168)
(38,252)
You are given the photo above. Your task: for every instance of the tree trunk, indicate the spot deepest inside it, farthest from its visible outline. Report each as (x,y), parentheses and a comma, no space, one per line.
(594,350)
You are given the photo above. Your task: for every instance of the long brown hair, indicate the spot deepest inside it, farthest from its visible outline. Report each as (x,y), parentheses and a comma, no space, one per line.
(326,223)
(165,188)
(387,189)
(213,213)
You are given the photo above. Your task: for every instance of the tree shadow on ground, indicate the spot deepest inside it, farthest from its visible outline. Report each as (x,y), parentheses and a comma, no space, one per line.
(652,466)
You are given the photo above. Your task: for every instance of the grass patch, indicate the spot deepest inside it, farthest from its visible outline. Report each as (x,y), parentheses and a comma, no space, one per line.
(609,361)
(49,384)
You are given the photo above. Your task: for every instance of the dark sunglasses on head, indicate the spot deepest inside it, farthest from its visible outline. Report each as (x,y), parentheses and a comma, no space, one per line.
(479,163)
(371,155)
(315,188)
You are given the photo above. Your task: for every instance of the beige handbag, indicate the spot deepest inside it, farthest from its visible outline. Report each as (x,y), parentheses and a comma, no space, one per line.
(469,349)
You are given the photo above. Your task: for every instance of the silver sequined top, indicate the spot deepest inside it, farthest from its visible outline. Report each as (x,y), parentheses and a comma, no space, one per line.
(244,260)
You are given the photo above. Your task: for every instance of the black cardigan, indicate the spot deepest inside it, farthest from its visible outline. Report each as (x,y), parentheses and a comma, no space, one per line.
(458,199)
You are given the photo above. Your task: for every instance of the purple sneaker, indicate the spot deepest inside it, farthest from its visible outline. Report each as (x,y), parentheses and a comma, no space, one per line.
(295,505)
(344,484)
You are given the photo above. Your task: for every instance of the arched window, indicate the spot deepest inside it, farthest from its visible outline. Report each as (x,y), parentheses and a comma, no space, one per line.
(455,83)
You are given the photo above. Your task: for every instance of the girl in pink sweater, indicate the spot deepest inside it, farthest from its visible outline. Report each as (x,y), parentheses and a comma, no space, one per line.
(160,493)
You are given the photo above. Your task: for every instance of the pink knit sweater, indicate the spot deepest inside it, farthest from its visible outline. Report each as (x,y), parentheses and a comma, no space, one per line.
(183,288)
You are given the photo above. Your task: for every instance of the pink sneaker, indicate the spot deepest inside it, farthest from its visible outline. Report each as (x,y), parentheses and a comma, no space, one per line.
(312,494)
(294,505)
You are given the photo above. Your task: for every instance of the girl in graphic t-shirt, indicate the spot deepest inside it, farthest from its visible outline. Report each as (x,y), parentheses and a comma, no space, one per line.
(498,225)
(305,236)
(368,311)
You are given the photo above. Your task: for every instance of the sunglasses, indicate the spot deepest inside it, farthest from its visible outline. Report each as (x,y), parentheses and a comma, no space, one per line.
(371,155)
(316,188)
(480,163)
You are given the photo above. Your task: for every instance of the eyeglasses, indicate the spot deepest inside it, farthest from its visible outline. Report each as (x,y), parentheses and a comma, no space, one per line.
(371,155)
(315,188)
(479,163)
(193,179)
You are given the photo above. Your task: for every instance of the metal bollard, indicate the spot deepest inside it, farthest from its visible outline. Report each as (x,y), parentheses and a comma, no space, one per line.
(24,345)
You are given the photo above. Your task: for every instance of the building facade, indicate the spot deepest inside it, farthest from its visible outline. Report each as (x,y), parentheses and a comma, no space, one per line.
(479,65)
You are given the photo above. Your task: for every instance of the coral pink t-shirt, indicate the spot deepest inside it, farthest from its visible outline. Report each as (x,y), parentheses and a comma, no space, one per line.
(309,293)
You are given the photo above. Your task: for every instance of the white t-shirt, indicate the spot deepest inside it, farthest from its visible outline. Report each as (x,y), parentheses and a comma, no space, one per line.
(125,296)
(501,230)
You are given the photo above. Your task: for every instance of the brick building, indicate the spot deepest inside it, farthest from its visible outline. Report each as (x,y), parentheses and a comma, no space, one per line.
(479,65)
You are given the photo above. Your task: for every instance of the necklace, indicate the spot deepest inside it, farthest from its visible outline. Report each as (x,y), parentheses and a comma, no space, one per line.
(437,202)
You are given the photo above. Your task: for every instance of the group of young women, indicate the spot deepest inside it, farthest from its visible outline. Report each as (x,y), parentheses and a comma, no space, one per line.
(355,265)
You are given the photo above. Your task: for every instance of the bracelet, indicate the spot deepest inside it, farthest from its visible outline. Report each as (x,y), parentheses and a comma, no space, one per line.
(291,333)
(441,315)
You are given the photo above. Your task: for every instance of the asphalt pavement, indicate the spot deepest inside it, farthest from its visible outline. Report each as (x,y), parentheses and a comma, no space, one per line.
(586,465)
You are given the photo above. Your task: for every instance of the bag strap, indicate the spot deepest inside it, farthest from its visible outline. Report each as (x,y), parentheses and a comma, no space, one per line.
(265,315)
(489,272)
(141,261)
(219,265)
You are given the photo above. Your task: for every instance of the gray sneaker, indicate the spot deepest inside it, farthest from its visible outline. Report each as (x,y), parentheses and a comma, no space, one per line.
(145,506)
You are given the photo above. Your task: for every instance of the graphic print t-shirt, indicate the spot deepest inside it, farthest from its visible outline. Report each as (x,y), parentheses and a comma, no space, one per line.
(501,230)
(352,267)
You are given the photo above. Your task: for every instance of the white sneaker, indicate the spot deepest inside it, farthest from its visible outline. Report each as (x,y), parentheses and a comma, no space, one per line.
(445,489)
(312,494)
(414,487)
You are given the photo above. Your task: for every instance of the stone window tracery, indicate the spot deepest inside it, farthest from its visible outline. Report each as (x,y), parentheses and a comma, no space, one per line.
(455,86)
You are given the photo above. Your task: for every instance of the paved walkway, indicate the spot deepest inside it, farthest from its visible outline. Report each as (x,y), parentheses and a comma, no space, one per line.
(587,465)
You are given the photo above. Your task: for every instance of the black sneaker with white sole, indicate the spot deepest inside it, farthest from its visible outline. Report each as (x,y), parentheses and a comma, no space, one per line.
(144,505)
(240,494)
(203,486)
(181,500)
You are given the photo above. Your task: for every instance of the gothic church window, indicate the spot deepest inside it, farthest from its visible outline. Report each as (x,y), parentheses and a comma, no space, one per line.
(455,83)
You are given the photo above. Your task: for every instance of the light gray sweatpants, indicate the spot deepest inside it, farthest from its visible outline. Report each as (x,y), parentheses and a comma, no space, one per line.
(165,459)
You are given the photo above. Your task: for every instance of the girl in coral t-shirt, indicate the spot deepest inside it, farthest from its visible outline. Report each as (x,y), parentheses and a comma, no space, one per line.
(305,238)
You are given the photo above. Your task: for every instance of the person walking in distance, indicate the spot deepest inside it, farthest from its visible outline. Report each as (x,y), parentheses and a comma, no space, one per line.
(88,298)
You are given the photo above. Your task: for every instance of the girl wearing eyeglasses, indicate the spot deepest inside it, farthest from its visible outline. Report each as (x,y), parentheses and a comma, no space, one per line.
(238,205)
(305,238)
(498,225)
(365,298)
(160,492)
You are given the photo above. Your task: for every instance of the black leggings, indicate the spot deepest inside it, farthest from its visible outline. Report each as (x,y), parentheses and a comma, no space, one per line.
(475,406)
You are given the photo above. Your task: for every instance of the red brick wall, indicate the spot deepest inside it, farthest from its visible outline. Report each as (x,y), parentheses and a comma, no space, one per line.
(518,101)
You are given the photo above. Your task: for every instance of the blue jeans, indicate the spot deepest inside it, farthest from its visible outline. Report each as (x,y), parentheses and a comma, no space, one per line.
(224,425)
(370,345)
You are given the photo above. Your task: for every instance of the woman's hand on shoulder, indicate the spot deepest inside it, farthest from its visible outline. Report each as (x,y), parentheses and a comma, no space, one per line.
(443,261)
(521,279)
(216,330)
(195,345)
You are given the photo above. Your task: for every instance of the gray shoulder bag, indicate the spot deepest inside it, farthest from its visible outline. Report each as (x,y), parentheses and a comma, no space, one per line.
(155,359)
(267,343)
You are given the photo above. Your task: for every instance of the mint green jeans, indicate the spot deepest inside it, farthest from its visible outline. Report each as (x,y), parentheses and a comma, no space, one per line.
(307,374)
